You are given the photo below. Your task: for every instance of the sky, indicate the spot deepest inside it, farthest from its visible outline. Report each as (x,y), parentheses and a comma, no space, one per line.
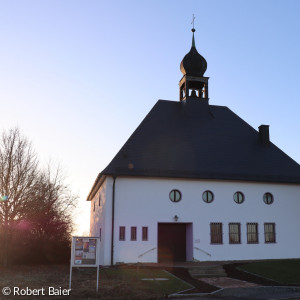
(78,76)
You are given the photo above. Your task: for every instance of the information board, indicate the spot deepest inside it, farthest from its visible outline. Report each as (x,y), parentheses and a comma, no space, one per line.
(84,253)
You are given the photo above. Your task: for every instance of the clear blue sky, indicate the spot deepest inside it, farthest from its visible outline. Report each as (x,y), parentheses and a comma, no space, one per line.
(78,77)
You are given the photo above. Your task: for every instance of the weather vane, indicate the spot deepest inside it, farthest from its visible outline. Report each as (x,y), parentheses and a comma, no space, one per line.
(193,22)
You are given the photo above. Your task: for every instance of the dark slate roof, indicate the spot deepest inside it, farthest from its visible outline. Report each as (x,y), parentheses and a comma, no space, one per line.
(195,140)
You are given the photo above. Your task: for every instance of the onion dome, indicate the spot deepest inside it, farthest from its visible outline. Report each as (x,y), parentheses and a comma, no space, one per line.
(193,63)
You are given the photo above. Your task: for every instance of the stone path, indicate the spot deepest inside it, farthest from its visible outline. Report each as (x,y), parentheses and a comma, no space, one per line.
(252,293)
(227,282)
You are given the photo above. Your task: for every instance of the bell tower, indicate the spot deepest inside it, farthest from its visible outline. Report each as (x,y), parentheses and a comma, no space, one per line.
(193,84)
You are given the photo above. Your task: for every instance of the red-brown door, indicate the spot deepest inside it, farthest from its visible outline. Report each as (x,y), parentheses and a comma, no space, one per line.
(171,242)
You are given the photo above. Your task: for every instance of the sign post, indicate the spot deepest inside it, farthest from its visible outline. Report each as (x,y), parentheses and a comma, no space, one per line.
(84,253)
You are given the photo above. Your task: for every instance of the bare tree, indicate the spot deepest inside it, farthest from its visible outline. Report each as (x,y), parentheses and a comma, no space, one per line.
(39,205)
(18,173)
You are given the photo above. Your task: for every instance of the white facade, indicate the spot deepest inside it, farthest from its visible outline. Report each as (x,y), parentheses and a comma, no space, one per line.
(144,202)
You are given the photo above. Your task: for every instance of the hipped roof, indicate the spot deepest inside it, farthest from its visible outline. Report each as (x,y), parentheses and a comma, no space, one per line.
(191,139)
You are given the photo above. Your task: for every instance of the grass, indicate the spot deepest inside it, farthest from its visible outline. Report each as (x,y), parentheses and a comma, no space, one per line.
(285,271)
(114,283)
(134,278)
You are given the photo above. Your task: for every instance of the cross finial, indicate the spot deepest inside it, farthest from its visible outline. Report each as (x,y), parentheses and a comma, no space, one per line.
(193,22)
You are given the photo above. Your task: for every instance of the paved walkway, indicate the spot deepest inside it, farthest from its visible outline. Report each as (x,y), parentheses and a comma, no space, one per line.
(253,293)
(231,289)
(187,264)
(237,289)
(227,282)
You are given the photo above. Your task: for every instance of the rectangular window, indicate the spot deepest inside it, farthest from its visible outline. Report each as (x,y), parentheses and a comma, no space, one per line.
(133,233)
(216,233)
(145,234)
(270,233)
(234,233)
(252,233)
(100,235)
(122,233)
(99,199)
(94,206)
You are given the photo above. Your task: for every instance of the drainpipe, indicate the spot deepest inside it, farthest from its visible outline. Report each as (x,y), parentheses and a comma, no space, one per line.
(112,222)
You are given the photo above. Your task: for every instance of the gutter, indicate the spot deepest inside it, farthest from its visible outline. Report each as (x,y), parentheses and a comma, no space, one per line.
(96,186)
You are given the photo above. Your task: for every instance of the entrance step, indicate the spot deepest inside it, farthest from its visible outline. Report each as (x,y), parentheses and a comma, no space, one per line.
(207,271)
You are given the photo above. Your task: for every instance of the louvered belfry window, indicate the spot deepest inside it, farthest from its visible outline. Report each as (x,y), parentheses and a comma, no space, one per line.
(252,233)
(216,233)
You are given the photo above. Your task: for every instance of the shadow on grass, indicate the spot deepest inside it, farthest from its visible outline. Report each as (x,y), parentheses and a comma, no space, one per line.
(284,271)
(267,272)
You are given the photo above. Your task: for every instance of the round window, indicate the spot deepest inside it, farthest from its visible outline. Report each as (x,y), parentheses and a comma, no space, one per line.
(175,196)
(238,197)
(268,198)
(208,196)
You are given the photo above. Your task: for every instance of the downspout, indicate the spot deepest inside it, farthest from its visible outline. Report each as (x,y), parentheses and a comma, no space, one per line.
(112,223)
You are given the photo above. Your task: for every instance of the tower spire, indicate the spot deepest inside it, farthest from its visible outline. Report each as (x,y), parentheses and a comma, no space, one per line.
(193,40)
(193,66)
(193,30)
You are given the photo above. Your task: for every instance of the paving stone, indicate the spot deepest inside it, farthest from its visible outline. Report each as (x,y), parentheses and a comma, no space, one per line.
(227,282)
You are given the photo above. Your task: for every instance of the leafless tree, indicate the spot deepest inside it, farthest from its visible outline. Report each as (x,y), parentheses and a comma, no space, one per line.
(39,205)
(18,173)
(50,209)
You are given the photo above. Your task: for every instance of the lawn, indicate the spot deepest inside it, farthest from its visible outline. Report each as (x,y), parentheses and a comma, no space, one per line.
(114,283)
(151,281)
(285,271)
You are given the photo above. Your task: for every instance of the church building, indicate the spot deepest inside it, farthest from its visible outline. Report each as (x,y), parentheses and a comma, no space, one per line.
(195,182)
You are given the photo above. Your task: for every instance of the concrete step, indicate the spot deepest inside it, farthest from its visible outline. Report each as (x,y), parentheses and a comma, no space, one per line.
(207,271)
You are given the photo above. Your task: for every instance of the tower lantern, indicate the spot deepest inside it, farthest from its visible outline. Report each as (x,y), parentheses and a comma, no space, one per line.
(193,84)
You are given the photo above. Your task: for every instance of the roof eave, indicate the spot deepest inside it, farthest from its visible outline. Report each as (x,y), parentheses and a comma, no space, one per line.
(227,177)
(97,184)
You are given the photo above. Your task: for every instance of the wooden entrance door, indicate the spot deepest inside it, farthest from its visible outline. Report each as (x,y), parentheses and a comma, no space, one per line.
(171,242)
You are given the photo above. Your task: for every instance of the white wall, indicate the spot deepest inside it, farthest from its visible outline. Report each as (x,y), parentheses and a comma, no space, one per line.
(101,218)
(145,202)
